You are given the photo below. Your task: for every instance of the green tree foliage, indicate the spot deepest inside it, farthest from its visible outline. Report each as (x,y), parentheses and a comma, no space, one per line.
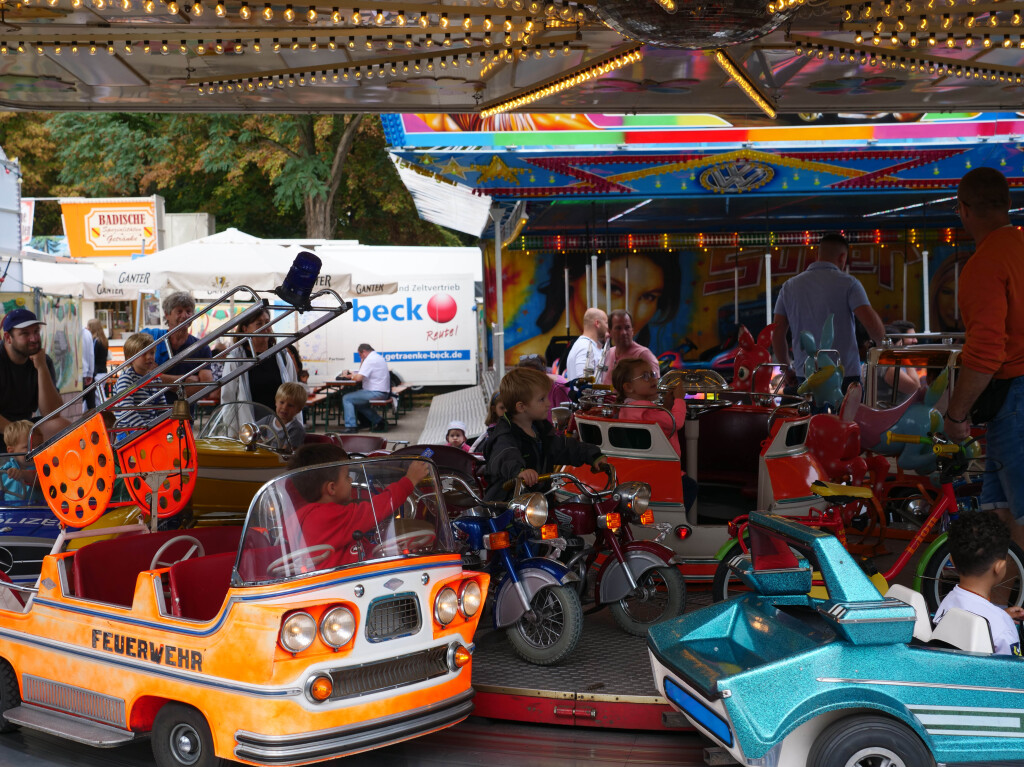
(319,176)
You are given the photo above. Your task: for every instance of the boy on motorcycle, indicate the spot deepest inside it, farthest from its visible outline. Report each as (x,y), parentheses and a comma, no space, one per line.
(524,443)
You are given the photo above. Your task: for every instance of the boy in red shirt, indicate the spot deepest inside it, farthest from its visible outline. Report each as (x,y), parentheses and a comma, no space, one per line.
(329,517)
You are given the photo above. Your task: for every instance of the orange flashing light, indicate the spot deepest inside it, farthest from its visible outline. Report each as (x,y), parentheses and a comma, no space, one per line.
(494,541)
(322,688)
(613,521)
(548,532)
(461,657)
(647,518)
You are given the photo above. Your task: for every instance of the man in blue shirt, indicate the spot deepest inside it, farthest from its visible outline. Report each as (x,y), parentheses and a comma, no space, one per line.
(178,307)
(806,301)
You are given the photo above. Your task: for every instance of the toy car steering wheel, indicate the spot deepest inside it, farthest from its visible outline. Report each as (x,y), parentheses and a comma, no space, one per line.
(412,540)
(196,547)
(316,554)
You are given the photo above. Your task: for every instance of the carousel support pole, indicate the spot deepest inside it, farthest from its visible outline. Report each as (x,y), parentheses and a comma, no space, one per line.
(736,292)
(586,280)
(956,287)
(566,270)
(593,275)
(924,292)
(768,288)
(607,284)
(499,304)
(904,286)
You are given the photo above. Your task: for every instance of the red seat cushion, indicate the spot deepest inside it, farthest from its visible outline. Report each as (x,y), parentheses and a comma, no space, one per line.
(107,571)
(199,586)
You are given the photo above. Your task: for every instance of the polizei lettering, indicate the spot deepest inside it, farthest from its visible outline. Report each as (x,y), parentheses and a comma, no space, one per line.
(160,654)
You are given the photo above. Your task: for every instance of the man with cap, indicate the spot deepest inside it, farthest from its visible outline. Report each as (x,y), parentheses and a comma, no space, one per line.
(376,384)
(26,372)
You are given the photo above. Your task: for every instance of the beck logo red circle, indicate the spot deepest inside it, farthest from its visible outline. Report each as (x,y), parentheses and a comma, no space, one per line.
(441,308)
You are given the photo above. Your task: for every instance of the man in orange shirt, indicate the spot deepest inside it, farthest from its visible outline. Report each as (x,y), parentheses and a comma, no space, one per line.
(992,307)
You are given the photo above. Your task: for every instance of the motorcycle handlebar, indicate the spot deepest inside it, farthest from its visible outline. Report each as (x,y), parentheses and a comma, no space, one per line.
(609,485)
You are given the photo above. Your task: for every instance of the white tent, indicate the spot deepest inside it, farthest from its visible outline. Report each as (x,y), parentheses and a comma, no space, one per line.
(210,266)
(61,278)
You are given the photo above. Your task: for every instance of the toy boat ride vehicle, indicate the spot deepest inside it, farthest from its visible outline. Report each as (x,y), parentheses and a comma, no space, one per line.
(315,631)
(777,677)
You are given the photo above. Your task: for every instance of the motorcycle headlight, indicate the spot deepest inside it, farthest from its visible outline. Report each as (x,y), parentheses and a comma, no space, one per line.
(297,632)
(529,508)
(337,627)
(446,606)
(470,598)
(634,497)
(248,434)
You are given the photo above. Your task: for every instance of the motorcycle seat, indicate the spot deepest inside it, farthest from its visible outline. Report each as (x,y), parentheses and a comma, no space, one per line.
(840,494)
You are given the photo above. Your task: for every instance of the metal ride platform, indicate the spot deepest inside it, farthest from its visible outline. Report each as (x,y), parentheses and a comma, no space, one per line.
(606,682)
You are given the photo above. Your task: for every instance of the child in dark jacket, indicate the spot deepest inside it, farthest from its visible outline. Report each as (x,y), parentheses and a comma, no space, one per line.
(524,444)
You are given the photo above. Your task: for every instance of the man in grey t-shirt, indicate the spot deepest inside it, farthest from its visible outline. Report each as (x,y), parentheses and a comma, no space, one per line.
(806,301)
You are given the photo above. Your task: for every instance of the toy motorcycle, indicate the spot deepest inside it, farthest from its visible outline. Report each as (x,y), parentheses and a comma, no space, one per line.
(637,579)
(534,597)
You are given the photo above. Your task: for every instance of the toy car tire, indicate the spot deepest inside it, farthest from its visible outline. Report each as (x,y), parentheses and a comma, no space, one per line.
(10,695)
(181,738)
(860,740)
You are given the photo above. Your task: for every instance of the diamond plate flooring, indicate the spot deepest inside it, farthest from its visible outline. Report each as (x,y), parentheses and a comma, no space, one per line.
(607,661)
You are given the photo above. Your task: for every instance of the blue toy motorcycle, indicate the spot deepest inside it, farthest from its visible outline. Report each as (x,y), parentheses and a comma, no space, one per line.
(533,597)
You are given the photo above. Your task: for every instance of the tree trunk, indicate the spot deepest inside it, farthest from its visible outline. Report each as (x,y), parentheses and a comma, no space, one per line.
(320,220)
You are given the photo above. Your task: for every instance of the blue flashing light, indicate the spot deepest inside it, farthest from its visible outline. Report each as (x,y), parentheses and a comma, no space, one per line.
(298,283)
(700,713)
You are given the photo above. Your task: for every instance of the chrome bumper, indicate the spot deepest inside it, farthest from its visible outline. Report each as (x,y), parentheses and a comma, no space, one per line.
(329,744)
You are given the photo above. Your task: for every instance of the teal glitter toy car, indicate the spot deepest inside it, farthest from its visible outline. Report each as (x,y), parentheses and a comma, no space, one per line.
(779,678)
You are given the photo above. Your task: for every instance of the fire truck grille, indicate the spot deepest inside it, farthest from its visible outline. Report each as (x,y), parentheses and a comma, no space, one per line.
(391,673)
(393,617)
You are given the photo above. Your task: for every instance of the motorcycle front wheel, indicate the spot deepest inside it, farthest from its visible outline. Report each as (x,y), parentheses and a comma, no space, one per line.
(554,629)
(660,595)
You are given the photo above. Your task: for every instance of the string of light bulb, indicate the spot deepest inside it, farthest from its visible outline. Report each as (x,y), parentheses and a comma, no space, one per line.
(240,40)
(579,76)
(396,66)
(744,81)
(898,59)
(393,13)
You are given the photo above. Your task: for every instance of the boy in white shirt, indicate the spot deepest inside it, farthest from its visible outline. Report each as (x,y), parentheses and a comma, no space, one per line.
(978,543)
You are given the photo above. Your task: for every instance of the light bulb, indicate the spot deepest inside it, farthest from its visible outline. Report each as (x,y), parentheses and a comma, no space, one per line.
(172,8)
(311,15)
(356,17)
(164,48)
(289,13)
(268,12)
(197,8)
(378,18)
(220,10)
(335,16)
(245,13)
(400,19)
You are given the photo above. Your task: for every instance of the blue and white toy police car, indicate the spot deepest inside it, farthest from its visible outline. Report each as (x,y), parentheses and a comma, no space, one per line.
(779,678)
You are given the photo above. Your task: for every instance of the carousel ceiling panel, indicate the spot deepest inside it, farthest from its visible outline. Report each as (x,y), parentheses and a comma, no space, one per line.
(489,56)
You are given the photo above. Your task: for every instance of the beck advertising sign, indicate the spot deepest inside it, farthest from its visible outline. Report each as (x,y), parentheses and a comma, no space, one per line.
(427,331)
(113,227)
